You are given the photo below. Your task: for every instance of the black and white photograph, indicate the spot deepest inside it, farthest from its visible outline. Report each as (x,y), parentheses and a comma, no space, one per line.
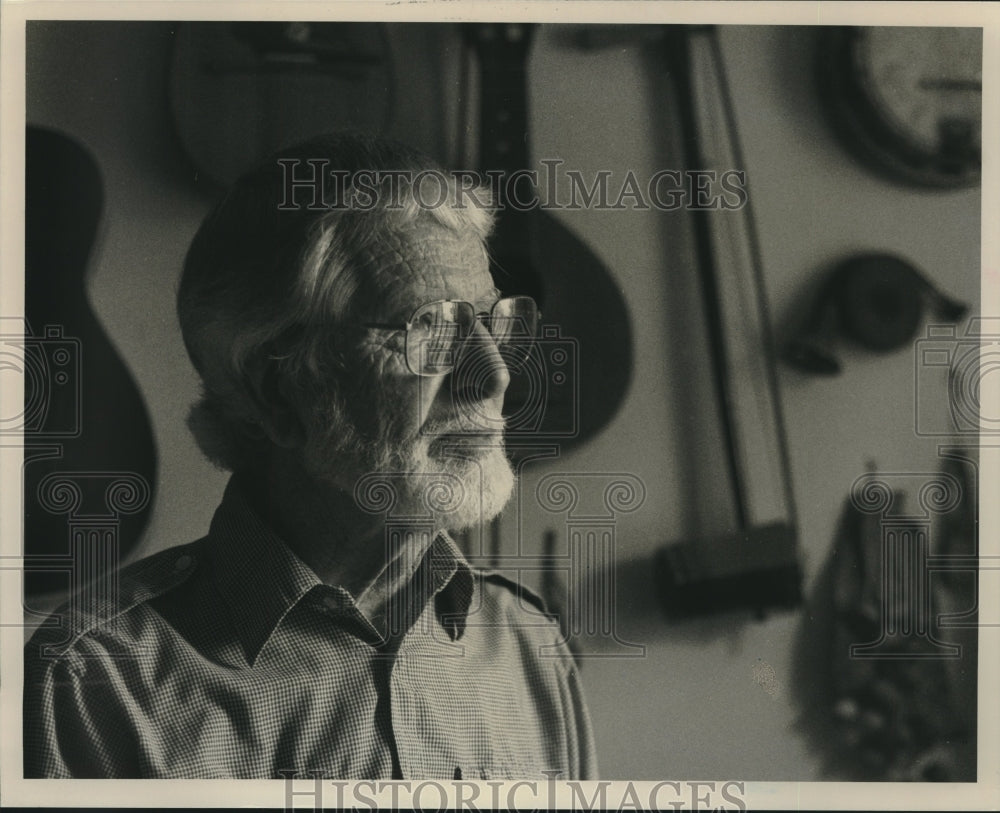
(563,405)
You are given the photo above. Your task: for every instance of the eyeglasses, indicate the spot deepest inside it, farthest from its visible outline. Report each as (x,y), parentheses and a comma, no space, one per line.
(436,332)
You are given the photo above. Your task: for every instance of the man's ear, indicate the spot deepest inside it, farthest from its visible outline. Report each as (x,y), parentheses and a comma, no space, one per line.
(277,405)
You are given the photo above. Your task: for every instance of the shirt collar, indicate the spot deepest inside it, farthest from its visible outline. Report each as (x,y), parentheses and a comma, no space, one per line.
(453,585)
(261,578)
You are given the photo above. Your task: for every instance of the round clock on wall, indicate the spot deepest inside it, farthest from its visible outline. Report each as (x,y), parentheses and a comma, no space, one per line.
(907,101)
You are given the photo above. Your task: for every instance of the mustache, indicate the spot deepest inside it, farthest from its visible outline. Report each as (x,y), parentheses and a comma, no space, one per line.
(489,426)
(461,440)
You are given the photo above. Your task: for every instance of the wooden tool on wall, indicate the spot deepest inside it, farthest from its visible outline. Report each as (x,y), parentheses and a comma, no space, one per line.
(756,564)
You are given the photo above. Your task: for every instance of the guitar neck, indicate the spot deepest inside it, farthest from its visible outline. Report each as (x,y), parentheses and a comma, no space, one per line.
(503,87)
(502,51)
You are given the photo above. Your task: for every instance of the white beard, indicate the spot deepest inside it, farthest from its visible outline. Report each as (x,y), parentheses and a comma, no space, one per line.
(483,478)
(458,482)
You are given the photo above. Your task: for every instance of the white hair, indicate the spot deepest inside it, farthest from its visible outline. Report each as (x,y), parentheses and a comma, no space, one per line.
(267,283)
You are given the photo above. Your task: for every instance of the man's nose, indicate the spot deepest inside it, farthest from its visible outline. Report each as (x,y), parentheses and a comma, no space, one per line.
(481,373)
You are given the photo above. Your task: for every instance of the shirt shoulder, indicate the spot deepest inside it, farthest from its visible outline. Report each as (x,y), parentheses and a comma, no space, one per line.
(509,589)
(534,640)
(520,610)
(92,609)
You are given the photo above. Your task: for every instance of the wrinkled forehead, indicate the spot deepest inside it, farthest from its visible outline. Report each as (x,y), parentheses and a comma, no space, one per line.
(421,264)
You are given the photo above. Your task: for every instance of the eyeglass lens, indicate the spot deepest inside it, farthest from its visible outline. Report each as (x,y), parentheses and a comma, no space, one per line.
(438,329)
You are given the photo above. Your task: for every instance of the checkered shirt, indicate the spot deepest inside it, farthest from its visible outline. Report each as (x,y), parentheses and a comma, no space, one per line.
(229,658)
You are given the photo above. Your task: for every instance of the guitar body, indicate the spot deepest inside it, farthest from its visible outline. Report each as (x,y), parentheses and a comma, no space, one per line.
(83,411)
(584,311)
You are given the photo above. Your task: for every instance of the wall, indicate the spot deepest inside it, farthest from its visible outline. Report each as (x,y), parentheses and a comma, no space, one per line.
(690,706)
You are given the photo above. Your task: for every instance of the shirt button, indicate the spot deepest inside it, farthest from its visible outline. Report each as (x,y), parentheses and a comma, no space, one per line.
(183,562)
(332,602)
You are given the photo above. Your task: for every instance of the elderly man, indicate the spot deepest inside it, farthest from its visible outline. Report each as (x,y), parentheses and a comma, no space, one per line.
(339,309)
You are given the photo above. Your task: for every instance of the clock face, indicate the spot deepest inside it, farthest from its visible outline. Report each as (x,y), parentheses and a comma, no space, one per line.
(908,100)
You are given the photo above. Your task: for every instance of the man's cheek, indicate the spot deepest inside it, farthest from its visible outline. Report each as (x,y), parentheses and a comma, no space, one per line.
(385,359)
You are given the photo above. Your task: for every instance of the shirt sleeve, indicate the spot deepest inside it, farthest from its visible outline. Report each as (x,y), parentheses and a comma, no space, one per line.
(583,754)
(74,722)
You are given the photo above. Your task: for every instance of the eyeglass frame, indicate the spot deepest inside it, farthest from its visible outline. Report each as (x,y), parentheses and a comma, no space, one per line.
(477,315)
